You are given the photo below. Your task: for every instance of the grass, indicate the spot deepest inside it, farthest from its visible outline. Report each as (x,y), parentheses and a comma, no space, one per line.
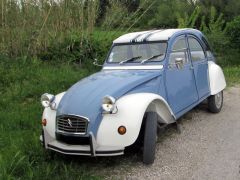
(232,75)
(230,63)
(21,156)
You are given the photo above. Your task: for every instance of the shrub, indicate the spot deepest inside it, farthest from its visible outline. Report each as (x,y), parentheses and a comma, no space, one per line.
(232,31)
(215,30)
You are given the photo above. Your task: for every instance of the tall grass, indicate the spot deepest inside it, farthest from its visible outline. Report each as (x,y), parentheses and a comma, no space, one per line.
(28,26)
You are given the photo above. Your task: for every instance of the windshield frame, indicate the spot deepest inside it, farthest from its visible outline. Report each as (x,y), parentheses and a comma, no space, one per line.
(136,62)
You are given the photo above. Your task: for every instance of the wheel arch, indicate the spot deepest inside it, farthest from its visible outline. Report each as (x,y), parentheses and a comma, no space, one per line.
(162,109)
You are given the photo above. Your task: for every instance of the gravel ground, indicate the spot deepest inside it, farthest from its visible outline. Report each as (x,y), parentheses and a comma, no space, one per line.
(207,148)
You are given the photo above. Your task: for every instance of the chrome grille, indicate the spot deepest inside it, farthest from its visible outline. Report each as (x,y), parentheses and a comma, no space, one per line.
(71,124)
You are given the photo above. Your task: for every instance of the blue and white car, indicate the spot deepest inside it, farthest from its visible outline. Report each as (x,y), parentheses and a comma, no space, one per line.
(149,79)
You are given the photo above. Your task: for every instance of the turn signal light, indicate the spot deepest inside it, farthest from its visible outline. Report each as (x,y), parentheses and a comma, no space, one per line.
(44,122)
(122,130)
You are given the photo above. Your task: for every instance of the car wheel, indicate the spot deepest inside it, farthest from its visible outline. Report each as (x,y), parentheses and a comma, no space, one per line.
(215,102)
(150,138)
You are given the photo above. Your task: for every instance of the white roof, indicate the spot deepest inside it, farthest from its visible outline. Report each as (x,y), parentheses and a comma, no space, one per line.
(153,35)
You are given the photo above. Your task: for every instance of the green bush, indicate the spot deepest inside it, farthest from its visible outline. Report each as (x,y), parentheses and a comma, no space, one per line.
(233,32)
(215,30)
(78,48)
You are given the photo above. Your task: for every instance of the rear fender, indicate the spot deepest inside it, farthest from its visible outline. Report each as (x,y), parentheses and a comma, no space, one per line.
(216,78)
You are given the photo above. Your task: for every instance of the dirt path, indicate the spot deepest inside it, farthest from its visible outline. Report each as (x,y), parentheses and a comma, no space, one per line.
(207,148)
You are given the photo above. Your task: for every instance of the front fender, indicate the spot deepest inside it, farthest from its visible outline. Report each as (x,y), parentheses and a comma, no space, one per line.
(131,110)
(216,78)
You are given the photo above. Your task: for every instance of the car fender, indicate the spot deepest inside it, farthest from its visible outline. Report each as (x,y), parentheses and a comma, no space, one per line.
(131,110)
(50,116)
(216,78)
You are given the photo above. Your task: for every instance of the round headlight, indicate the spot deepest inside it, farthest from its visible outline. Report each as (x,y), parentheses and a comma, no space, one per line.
(47,99)
(108,104)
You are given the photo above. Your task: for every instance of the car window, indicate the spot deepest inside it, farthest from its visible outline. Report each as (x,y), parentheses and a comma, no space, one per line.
(207,48)
(119,53)
(142,50)
(196,49)
(179,50)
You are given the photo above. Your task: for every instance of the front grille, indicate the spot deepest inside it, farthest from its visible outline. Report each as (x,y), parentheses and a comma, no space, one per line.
(71,124)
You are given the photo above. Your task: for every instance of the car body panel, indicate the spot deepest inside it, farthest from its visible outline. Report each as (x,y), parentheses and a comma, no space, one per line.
(216,78)
(186,93)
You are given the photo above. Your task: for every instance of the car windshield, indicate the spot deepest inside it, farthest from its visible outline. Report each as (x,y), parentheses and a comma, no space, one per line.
(138,53)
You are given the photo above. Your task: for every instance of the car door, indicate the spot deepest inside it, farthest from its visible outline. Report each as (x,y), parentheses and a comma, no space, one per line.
(180,81)
(200,65)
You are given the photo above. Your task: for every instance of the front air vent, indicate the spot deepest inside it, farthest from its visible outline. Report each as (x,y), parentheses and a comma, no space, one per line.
(71,124)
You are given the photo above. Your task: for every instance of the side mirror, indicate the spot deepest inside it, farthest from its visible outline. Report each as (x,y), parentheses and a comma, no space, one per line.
(179,63)
(95,62)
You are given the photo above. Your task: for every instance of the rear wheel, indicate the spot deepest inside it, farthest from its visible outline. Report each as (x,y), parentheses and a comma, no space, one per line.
(150,138)
(215,102)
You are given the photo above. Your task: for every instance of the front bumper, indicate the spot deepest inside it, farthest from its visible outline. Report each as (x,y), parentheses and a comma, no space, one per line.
(87,150)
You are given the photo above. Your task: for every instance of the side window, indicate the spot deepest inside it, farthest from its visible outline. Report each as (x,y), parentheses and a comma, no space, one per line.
(196,49)
(179,50)
(207,47)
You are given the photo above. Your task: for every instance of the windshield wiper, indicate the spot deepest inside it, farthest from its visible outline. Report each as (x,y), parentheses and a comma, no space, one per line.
(153,57)
(130,59)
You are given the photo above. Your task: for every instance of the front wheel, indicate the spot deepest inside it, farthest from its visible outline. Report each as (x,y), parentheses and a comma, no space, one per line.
(215,102)
(150,138)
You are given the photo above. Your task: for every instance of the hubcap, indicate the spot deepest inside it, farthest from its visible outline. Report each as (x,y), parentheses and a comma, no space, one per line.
(218,100)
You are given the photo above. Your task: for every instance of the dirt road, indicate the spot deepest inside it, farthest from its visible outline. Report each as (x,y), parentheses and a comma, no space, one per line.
(207,148)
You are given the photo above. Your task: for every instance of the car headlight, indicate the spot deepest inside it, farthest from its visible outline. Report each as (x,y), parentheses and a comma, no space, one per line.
(108,104)
(48,100)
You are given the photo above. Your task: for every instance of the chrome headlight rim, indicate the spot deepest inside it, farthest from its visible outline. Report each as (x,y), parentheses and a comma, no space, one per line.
(47,100)
(109,105)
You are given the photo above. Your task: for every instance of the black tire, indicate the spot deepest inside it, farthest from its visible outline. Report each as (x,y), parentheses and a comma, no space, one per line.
(215,102)
(150,138)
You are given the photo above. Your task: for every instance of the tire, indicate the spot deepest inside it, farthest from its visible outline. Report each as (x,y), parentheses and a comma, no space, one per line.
(215,102)
(150,138)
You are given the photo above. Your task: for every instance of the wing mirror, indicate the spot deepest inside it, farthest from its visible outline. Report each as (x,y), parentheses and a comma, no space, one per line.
(95,62)
(179,63)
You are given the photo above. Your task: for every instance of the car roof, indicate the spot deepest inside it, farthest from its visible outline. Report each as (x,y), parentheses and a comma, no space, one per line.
(152,35)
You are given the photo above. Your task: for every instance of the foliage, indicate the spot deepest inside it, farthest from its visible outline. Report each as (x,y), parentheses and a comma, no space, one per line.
(29,27)
(163,14)
(188,20)
(115,13)
(215,30)
(78,48)
(232,31)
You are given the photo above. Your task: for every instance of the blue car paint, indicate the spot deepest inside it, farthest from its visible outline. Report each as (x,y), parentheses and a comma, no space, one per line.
(85,97)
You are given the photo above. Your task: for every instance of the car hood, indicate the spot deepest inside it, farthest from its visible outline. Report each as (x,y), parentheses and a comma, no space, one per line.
(85,97)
